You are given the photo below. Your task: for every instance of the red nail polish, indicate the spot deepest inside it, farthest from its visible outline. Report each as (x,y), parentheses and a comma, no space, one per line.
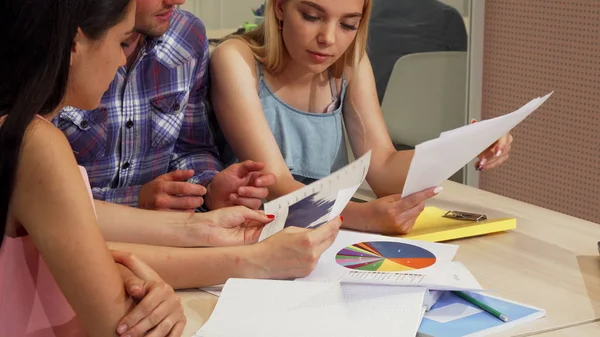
(271,216)
(342,218)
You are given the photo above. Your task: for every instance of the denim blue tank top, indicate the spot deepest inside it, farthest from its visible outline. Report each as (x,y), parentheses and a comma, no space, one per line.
(312,144)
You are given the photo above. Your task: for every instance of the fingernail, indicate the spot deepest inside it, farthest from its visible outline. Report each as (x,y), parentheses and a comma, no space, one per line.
(122,328)
(438,189)
(473,121)
(342,218)
(271,216)
(498,153)
(482,162)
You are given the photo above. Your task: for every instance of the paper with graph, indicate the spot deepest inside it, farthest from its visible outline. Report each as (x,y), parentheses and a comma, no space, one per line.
(376,259)
(299,309)
(436,160)
(319,202)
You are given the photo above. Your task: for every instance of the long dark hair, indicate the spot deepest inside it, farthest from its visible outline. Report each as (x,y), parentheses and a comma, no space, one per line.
(37,38)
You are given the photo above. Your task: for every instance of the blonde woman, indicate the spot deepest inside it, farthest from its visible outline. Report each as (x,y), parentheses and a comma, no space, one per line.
(281,93)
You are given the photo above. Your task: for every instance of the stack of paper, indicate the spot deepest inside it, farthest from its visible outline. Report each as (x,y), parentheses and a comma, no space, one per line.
(285,308)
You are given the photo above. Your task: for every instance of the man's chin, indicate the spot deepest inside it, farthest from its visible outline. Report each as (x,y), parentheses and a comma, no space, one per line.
(153,32)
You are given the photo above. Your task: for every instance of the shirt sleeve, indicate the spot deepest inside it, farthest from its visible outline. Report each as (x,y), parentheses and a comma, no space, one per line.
(196,146)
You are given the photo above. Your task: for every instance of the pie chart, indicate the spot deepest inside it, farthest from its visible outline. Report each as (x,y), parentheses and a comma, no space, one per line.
(384,256)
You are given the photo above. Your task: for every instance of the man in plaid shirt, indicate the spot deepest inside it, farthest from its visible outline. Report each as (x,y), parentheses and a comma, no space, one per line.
(151,142)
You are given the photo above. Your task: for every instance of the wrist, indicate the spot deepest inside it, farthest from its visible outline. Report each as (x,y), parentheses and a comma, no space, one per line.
(252,263)
(356,216)
(193,230)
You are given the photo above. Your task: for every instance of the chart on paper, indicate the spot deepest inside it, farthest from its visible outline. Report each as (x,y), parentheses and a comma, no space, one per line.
(317,203)
(385,256)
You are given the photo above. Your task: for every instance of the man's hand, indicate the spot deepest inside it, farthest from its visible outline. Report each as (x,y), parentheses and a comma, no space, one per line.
(239,184)
(171,191)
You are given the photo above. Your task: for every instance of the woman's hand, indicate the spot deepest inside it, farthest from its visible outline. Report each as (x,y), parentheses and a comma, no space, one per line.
(233,226)
(392,214)
(294,251)
(494,155)
(159,311)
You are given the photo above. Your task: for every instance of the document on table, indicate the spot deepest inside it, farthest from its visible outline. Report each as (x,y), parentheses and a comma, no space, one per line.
(365,258)
(436,160)
(285,308)
(457,277)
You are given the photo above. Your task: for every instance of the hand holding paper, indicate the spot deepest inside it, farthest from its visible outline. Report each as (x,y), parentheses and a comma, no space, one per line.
(436,160)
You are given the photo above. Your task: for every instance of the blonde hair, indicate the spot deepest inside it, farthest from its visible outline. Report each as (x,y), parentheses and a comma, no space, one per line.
(267,44)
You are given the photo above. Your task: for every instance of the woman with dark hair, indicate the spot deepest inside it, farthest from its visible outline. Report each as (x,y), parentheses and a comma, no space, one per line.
(57,277)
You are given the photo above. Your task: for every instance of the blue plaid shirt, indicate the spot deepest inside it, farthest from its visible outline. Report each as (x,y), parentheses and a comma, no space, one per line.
(153,119)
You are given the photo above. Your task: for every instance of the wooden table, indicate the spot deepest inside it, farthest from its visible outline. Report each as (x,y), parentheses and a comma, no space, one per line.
(589,329)
(549,261)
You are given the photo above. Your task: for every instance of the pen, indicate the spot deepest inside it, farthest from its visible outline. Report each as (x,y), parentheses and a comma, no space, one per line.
(482,305)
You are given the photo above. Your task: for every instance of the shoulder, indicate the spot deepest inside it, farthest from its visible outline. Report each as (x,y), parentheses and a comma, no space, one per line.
(233,54)
(363,68)
(234,48)
(44,143)
(186,35)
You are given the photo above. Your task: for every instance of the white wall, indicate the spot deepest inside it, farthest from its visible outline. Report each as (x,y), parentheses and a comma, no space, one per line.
(218,14)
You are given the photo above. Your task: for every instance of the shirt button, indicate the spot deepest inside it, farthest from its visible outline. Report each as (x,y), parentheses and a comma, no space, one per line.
(176,106)
(125,165)
(84,124)
(129,124)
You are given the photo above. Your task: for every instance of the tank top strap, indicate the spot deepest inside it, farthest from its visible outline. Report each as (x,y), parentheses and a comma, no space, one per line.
(259,71)
(333,87)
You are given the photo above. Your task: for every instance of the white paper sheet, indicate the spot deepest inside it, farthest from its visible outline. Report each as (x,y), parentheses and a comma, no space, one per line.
(438,159)
(297,309)
(431,261)
(458,277)
(319,202)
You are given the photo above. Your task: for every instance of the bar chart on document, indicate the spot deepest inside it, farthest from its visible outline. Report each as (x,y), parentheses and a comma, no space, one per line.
(317,203)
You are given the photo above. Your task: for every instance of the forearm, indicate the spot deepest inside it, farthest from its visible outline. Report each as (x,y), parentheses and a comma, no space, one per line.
(128,196)
(285,184)
(186,268)
(133,225)
(389,176)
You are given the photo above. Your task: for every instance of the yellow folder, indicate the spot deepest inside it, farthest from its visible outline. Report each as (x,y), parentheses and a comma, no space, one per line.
(432,226)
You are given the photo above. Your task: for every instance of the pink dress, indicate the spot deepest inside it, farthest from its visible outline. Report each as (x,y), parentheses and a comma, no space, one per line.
(31,303)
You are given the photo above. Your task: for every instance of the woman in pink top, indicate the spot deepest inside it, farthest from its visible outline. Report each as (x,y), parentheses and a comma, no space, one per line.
(57,277)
